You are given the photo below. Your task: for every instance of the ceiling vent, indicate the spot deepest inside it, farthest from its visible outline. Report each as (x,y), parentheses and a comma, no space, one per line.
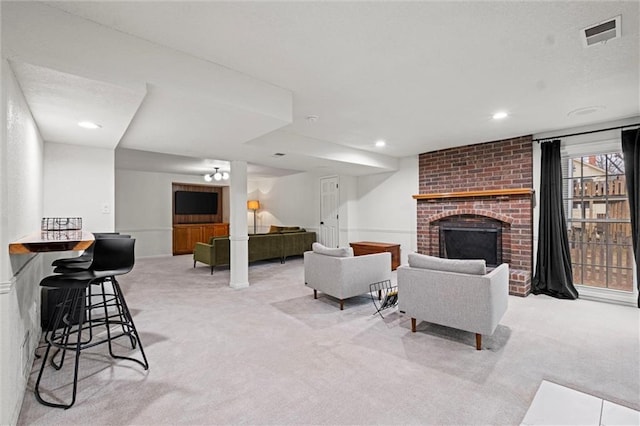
(602,32)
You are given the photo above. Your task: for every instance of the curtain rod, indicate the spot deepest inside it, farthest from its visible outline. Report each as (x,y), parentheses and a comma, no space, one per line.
(586,133)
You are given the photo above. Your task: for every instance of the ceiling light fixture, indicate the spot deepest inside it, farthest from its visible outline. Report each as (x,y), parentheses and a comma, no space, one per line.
(312,118)
(585,110)
(500,115)
(217,175)
(89,125)
(380,143)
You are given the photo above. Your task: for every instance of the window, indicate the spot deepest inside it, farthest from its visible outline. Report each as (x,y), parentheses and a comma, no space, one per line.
(598,220)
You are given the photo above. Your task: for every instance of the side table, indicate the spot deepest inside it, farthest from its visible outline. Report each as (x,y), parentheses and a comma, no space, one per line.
(370,247)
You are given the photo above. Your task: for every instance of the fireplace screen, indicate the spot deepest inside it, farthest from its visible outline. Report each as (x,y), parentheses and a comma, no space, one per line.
(471,243)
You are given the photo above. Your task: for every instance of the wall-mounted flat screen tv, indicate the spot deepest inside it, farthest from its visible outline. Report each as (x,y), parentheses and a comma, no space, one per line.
(192,202)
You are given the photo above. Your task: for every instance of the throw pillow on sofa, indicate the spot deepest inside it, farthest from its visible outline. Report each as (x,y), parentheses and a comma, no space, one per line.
(329,251)
(466,266)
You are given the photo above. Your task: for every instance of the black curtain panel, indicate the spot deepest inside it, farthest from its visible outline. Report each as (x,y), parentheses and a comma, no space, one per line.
(631,153)
(553,267)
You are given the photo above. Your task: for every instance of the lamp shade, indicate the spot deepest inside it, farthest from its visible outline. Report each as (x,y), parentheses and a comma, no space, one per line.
(253,204)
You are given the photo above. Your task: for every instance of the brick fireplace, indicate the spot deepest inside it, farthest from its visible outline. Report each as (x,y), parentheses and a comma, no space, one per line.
(488,185)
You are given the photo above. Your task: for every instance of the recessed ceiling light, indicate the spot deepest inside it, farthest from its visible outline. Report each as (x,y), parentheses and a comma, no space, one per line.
(380,143)
(585,110)
(312,118)
(89,125)
(500,115)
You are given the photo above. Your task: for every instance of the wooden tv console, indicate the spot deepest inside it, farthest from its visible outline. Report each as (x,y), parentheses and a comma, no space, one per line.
(186,235)
(369,247)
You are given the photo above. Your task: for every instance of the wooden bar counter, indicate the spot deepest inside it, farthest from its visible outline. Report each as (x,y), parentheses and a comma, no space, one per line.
(44,241)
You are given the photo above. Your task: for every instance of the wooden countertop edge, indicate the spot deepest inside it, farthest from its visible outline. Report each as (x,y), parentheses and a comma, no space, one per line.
(23,245)
(467,194)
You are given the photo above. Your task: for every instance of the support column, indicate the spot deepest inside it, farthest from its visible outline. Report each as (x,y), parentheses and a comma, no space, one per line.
(239,240)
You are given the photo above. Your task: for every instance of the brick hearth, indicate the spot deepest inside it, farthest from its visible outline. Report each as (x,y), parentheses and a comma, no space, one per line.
(505,164)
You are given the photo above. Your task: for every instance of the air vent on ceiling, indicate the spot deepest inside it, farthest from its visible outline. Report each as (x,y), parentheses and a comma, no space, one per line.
(602,32)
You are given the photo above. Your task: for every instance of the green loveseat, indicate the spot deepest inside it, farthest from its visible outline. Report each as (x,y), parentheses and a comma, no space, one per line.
(279,244)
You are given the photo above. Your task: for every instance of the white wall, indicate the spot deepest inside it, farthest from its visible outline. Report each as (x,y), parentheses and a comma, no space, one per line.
(347,209)
(143,208)
(295,201)
(79,182)
(376,207)
(386,211)
(21,156)
(288,201)
(143,205)
(373,208)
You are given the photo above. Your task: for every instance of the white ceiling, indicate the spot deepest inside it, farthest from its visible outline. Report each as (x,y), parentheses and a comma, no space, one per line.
(220,81)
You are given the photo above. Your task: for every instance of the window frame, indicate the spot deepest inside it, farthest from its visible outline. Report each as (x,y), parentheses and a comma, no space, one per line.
(601,147)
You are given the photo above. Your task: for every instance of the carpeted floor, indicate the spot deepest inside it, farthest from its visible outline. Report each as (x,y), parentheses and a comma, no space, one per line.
(271,354)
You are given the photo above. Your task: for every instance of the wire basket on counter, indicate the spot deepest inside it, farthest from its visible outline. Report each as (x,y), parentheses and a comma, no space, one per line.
(61,224)
(64,235)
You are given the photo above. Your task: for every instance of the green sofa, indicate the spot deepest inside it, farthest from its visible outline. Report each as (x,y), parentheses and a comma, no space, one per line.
(280,244)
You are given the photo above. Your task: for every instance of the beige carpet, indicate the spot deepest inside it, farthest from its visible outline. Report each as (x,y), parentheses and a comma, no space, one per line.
(271,354)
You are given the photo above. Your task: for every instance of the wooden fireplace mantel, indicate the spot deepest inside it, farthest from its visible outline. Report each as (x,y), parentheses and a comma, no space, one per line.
(467,194)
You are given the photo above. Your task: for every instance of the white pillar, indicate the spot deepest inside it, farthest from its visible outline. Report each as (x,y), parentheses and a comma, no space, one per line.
(239,240)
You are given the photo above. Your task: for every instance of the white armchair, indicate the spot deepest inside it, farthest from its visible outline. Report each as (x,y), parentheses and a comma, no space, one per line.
(454,293)
(338,273)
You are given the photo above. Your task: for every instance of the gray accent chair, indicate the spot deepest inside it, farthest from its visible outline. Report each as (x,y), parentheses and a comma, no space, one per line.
(337,273)
(454,293)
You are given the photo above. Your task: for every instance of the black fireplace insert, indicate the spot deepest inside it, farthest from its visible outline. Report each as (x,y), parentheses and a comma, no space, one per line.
(471,242)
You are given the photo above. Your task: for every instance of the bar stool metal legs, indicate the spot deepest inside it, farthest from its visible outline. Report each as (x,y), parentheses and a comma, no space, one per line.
(125,320)
(60,340)
(66,336)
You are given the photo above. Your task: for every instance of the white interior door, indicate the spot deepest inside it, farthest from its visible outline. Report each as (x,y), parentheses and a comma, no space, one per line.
(329,211)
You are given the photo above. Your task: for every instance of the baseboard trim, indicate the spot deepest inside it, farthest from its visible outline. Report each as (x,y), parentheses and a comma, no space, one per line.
(606,295)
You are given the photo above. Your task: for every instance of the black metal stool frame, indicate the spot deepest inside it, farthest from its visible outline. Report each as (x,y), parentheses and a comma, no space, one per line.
(90,323)
(78,293)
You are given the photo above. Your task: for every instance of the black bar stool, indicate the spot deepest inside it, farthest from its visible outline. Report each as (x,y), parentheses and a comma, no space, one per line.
(51,297)
(74,316)
(84,260)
